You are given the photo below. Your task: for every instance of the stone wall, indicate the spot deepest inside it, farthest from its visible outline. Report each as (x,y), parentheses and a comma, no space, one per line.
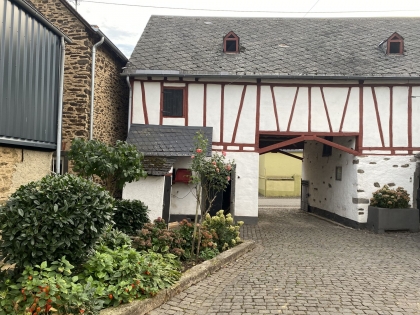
(361,176)
(111,91)
(21,166)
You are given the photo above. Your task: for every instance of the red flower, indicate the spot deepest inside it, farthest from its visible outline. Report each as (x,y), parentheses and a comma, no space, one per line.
(224,153)
(198,150)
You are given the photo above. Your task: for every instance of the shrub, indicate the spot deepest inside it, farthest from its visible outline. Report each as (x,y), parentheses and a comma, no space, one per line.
(123,274)
(42,288)
(113,238)
(227,231)
(61,215)
(390,198)
(130,215)
(208,240)
(114,165)
(156,237)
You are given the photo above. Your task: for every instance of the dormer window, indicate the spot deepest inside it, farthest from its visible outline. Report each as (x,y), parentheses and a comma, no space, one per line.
(231,43)
(395,45)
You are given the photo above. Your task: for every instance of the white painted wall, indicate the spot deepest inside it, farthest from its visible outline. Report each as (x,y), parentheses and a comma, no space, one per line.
(349,197)
(247,123)
(152,96)
(233,95)
(182,195)
(195,104)
(213,113)
(246,192)
(150,191)
(138,113)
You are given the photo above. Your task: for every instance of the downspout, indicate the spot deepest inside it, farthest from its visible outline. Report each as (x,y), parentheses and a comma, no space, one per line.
(60,108)
(127,78)
(92,86)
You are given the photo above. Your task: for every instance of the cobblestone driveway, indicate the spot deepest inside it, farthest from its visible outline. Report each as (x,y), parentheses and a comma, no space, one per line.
(305,265)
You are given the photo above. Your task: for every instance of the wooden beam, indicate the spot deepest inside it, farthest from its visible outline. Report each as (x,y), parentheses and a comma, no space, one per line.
(280,145)
(332,144)
(291,155)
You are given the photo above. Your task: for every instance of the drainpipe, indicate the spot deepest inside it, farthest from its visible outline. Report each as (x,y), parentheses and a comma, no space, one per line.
(60,107)
(92,87)
(127,78)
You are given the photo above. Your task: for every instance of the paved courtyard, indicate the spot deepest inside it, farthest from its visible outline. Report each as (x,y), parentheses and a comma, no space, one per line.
(305,265)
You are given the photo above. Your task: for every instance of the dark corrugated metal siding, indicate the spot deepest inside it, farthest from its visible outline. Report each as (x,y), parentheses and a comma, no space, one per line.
(29,79)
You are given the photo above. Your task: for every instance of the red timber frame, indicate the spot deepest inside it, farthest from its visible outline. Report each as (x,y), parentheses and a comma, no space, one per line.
(284,130)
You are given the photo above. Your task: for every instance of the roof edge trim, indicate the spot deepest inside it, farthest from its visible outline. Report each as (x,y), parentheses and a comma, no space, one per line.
(42,19)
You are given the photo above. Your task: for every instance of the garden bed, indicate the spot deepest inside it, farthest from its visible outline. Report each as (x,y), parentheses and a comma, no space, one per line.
(188,278)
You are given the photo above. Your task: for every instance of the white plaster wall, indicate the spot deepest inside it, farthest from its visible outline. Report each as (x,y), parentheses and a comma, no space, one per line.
(150,191)
(361,176)
(182,195)
(301,113)
(325,191)
(284,99)
(383,98)
(232,101)
(173,121)
(351,120)
(371,136)
(247,122)
(335,98)
(267,115)
(138,113)
(416,116)
(400,116)
(246,182)
(214,109)
(319,121)
(195,104)
(152,96)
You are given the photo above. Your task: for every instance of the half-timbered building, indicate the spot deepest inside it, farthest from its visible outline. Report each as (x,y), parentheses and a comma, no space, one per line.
(346,90)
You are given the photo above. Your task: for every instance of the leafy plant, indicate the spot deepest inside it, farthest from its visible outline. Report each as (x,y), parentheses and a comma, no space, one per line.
(123,274)
(390,198)
(130,215)
(225,228)
(209,177)
(208,241)
(156,237)
(42,289)
(114,165)
(61,215)
(113,238)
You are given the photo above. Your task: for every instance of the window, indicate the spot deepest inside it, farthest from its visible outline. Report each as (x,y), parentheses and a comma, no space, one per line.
(64,163)
(326,149)
(231,43)
(395,45)
(173,102)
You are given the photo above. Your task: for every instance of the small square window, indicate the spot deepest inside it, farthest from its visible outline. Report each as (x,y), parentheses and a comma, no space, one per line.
(338,173)
(173,102)
(394,47)
(231,45)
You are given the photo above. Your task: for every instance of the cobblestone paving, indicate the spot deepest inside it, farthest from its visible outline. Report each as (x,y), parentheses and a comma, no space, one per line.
(305,265)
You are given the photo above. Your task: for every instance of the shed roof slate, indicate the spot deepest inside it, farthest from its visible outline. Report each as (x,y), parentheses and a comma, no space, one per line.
(166,141)
(314,47)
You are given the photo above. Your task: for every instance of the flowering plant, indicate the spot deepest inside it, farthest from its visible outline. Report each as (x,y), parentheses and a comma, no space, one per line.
(390,198)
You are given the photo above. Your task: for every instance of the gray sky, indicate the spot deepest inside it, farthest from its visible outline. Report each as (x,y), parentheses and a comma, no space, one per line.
(123,24)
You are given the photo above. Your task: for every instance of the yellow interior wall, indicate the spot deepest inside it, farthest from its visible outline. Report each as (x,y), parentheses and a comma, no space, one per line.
(280,175)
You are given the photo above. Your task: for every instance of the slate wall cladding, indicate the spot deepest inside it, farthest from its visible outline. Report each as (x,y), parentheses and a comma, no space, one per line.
(111,91)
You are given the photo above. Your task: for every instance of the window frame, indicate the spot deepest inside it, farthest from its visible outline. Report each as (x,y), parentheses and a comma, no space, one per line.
(400,40)
(184,101)
(228,38)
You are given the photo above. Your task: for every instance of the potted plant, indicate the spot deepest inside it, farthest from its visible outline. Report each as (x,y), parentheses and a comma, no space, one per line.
(389,209)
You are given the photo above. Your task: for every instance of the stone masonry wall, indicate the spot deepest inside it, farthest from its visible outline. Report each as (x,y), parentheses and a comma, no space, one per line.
(111,92)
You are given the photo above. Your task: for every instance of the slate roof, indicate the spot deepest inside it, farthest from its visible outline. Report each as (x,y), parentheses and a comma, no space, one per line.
(166,141)
(276,47)
(158,165)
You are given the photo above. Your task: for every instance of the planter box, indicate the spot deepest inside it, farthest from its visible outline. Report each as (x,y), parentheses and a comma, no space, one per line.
(381,219)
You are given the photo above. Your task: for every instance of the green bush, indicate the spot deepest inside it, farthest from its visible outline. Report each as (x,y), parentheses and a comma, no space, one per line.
(61,215)
(113,238)
(42,288)
(130,215)
(227,231)
(123,274)
(390,198)
(208,248)
(156,237)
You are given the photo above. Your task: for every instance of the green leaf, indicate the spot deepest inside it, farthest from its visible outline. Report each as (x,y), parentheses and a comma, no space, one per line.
(20,211)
